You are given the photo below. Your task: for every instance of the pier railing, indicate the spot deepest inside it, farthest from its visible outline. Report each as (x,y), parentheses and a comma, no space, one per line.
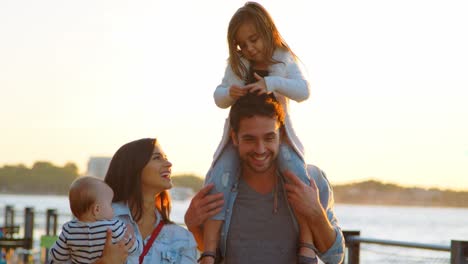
(9,229)
(458,249)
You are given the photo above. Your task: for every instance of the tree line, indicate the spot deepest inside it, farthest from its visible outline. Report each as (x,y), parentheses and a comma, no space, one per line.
(378,193)
(46,178)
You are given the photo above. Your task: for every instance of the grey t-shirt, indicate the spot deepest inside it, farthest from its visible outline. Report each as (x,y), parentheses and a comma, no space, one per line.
(256,234)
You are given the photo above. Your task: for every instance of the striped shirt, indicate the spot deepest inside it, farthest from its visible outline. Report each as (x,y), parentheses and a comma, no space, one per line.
(83,242)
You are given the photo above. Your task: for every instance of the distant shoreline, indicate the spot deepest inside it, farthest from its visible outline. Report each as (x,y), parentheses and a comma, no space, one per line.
(400,205)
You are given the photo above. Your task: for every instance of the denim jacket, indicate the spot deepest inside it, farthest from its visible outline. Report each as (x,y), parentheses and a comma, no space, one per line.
(174,244)
(335,253)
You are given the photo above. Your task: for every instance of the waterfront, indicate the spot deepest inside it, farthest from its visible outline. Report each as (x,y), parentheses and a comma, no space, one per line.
(415,224)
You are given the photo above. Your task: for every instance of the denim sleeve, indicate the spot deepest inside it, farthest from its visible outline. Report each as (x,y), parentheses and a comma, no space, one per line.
(222,176)
(335,253)
(189,253)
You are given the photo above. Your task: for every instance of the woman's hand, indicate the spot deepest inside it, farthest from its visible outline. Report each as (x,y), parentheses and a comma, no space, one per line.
(236,91)
(258,87)
(116,253)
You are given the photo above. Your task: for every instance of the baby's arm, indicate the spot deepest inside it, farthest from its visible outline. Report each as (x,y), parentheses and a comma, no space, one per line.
(120,231)
(60,252)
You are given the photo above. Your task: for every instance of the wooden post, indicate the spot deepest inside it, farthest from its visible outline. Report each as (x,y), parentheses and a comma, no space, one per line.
(459,252)
(51,222)
(353,247)
(29,226)
(9,215)
(51,228)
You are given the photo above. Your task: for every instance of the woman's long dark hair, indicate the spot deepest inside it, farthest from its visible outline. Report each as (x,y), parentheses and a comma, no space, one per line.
(124,177)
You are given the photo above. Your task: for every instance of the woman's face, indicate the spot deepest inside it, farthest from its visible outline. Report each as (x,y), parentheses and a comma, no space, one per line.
(156,175)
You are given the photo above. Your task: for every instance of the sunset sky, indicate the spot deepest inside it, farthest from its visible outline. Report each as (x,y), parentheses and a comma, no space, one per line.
(389,83)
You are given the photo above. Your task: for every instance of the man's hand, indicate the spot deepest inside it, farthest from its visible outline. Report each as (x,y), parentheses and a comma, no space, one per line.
(115,253)
(305,201)
(303,198)
(203,206)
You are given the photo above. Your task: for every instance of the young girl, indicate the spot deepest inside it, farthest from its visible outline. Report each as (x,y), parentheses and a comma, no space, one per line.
(260,62)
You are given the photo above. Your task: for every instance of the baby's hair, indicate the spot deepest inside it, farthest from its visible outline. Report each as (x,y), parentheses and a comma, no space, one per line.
(82,194)
(256,14)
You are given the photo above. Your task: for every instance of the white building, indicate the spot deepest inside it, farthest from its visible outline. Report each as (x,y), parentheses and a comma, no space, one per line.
(97,166)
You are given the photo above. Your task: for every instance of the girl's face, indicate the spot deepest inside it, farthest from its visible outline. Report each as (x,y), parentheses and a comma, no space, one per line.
(250,43)
(156,175)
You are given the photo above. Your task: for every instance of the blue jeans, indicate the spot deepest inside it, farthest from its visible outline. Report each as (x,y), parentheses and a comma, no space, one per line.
(224,170)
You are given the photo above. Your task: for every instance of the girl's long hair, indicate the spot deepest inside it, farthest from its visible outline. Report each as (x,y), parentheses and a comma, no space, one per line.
(256,14)
(124,177)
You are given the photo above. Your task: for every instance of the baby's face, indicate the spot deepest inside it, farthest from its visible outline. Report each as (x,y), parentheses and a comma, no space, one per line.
(104,202)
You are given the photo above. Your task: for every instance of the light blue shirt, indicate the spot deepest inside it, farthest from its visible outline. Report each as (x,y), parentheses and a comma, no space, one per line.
(174,244)
(335,253)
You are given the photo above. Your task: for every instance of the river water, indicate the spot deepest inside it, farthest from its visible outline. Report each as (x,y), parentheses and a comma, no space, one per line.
(412,224)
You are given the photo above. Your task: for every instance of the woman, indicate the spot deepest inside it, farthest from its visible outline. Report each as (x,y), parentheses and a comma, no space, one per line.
(140,175)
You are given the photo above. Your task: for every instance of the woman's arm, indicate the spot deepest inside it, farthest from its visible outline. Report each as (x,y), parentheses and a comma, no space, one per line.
(189,253)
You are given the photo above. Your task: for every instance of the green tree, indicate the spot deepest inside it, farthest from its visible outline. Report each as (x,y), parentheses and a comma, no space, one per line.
(190,181)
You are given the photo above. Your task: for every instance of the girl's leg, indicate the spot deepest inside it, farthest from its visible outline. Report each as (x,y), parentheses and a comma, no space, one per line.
(289,160)
(221,174)
(306,249)
(211,230)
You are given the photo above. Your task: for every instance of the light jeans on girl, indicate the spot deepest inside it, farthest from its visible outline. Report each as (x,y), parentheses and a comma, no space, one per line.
(224,170)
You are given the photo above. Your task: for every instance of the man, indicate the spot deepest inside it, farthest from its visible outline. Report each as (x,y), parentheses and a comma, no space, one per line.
(261,220)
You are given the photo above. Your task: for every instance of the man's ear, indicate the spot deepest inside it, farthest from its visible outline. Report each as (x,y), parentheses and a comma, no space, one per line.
(282,133)
(235,142)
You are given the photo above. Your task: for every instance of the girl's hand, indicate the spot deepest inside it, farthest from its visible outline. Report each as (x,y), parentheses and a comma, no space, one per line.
(258,87)
(236,91)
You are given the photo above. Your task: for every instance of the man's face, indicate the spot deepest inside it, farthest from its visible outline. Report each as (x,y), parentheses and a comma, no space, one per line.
(258,142)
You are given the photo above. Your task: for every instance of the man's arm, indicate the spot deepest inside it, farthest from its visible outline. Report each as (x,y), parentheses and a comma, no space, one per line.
(202,207)
(315,203)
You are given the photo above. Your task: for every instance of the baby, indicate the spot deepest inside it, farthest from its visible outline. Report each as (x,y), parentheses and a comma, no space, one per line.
(82,239)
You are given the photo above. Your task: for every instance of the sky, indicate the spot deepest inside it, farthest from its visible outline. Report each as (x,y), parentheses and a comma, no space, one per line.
(389,83)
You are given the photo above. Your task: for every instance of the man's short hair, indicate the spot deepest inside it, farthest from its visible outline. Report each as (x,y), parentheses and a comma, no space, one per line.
(251,105)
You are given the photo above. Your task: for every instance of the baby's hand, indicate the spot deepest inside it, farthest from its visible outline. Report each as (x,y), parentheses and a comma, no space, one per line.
(236,91)
(258,87)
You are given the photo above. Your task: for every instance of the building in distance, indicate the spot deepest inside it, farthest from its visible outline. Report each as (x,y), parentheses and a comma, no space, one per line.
(97,166)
